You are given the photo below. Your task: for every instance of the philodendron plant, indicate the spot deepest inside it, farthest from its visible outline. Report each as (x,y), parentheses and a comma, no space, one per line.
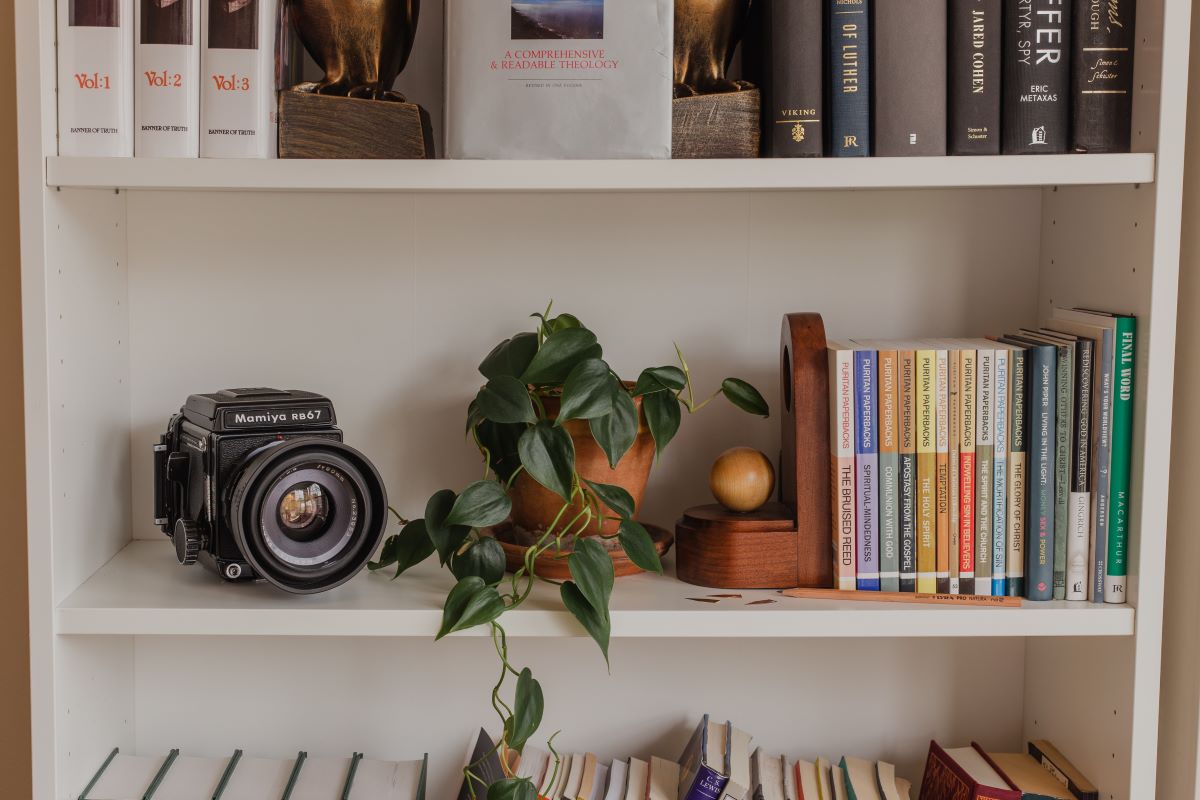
(509,423)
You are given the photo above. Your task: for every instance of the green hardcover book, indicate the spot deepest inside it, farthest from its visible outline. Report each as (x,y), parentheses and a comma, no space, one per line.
(1122,452)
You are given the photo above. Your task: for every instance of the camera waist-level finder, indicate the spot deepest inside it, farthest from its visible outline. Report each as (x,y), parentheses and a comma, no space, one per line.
(256,483)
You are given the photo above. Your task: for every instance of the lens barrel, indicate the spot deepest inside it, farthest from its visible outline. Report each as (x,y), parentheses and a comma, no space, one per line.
(308,513)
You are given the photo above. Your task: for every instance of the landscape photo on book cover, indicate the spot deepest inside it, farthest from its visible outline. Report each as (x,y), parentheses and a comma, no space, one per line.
(93,14)
(558,19)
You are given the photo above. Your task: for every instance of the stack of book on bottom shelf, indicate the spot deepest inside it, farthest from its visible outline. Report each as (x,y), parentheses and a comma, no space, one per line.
(719,764)
(176,777)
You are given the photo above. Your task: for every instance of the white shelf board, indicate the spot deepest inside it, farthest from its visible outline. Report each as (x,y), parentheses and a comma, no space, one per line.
(569,176)
(143,591)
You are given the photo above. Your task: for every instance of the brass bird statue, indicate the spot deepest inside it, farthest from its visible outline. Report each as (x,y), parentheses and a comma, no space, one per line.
(362,45)
(706,34)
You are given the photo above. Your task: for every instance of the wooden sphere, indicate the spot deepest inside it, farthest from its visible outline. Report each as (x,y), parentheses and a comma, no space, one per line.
(742,479)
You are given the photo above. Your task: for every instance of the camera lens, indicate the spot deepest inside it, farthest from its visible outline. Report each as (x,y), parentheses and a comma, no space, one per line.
(307,513)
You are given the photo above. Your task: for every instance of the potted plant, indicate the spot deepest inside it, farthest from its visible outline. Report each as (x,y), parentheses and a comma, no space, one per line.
(567,447)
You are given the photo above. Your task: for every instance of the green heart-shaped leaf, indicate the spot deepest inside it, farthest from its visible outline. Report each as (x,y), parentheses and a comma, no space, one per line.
(501,439)
(639,546)
(616,431)
(587,392)
(614,497)
(527,710)
(511,357)
(445,537)
(597,625)
(483,559)
(662,415)
(512,789)
(548,455)
(387,555)
(505,399)
(562,322)
(592,569)
(413,546)
(659,379)
(559,354)
(481,504)
(471,602)
(745,397)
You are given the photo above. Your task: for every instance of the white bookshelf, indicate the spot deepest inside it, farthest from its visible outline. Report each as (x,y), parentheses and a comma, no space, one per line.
(383,284)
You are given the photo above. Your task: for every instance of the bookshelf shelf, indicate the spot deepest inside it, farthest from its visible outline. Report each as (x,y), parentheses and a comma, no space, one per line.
(599,176)
(142,591)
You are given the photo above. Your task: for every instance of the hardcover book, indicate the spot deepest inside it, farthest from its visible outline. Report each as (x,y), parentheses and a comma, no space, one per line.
(866,462)
(850,77)
(909,90)
(95,77)
(238,112)
(1037,80)
(1026,774)
(926,494)
(167,66)
(907,386)
(1067,774)
(1102,76)
(966,472)
(545,80)
(963,773)
(842,438)
(973,77)
(790,39)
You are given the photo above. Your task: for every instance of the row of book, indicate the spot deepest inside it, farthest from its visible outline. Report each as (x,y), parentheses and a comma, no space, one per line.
(937,77)
(719,763)
(129,78)
(178,777)
(996,466)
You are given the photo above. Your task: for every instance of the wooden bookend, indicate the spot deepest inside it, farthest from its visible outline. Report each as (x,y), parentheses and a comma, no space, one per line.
(786,543)
(716,125)
(326,126)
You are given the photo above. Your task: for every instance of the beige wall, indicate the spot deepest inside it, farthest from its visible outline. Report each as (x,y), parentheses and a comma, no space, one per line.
(14,650)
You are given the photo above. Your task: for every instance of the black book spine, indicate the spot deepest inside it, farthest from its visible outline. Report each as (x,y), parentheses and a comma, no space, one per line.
(1102,75)
(973,74)
(909,78)
(850,77)
(1036,109)
(790,37)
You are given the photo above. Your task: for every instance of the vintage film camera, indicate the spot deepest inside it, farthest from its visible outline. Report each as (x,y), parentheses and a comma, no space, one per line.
(256,483)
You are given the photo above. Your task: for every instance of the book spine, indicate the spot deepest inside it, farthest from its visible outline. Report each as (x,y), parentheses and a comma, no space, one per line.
(973,75)
(850,77)
(1039,570)
(1104,392)
(1063,400)
(984,420)
(889,469)
(1000,391)
(95,78)
(908,470)
(1036,111)
(1017,471)
(1122,454)
(791,37)
(167,69)
(966,473)
(866,461)
(955,447)
(1102,76)
(238,113)
(841,387)
(942,466)
(1079,506)
(926,472)
(909,91)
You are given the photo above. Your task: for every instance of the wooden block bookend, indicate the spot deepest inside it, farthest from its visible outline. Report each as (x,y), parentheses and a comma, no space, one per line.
(716,125)
(327,126)
(790,542)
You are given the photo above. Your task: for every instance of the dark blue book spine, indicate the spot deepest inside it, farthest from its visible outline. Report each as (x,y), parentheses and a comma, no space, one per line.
(1043,392)
(866,462)
(850,77)
(707,785)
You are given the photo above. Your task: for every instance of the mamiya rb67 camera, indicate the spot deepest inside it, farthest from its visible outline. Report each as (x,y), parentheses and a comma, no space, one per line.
(257,483)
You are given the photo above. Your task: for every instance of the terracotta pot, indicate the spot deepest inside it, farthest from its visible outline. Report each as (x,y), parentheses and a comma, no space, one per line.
(534,507)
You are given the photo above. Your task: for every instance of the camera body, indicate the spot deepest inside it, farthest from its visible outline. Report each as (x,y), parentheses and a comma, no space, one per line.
(257,483)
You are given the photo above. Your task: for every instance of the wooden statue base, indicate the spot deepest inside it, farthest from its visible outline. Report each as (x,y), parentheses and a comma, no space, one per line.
(516,541)
(716,125)
(325,126)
